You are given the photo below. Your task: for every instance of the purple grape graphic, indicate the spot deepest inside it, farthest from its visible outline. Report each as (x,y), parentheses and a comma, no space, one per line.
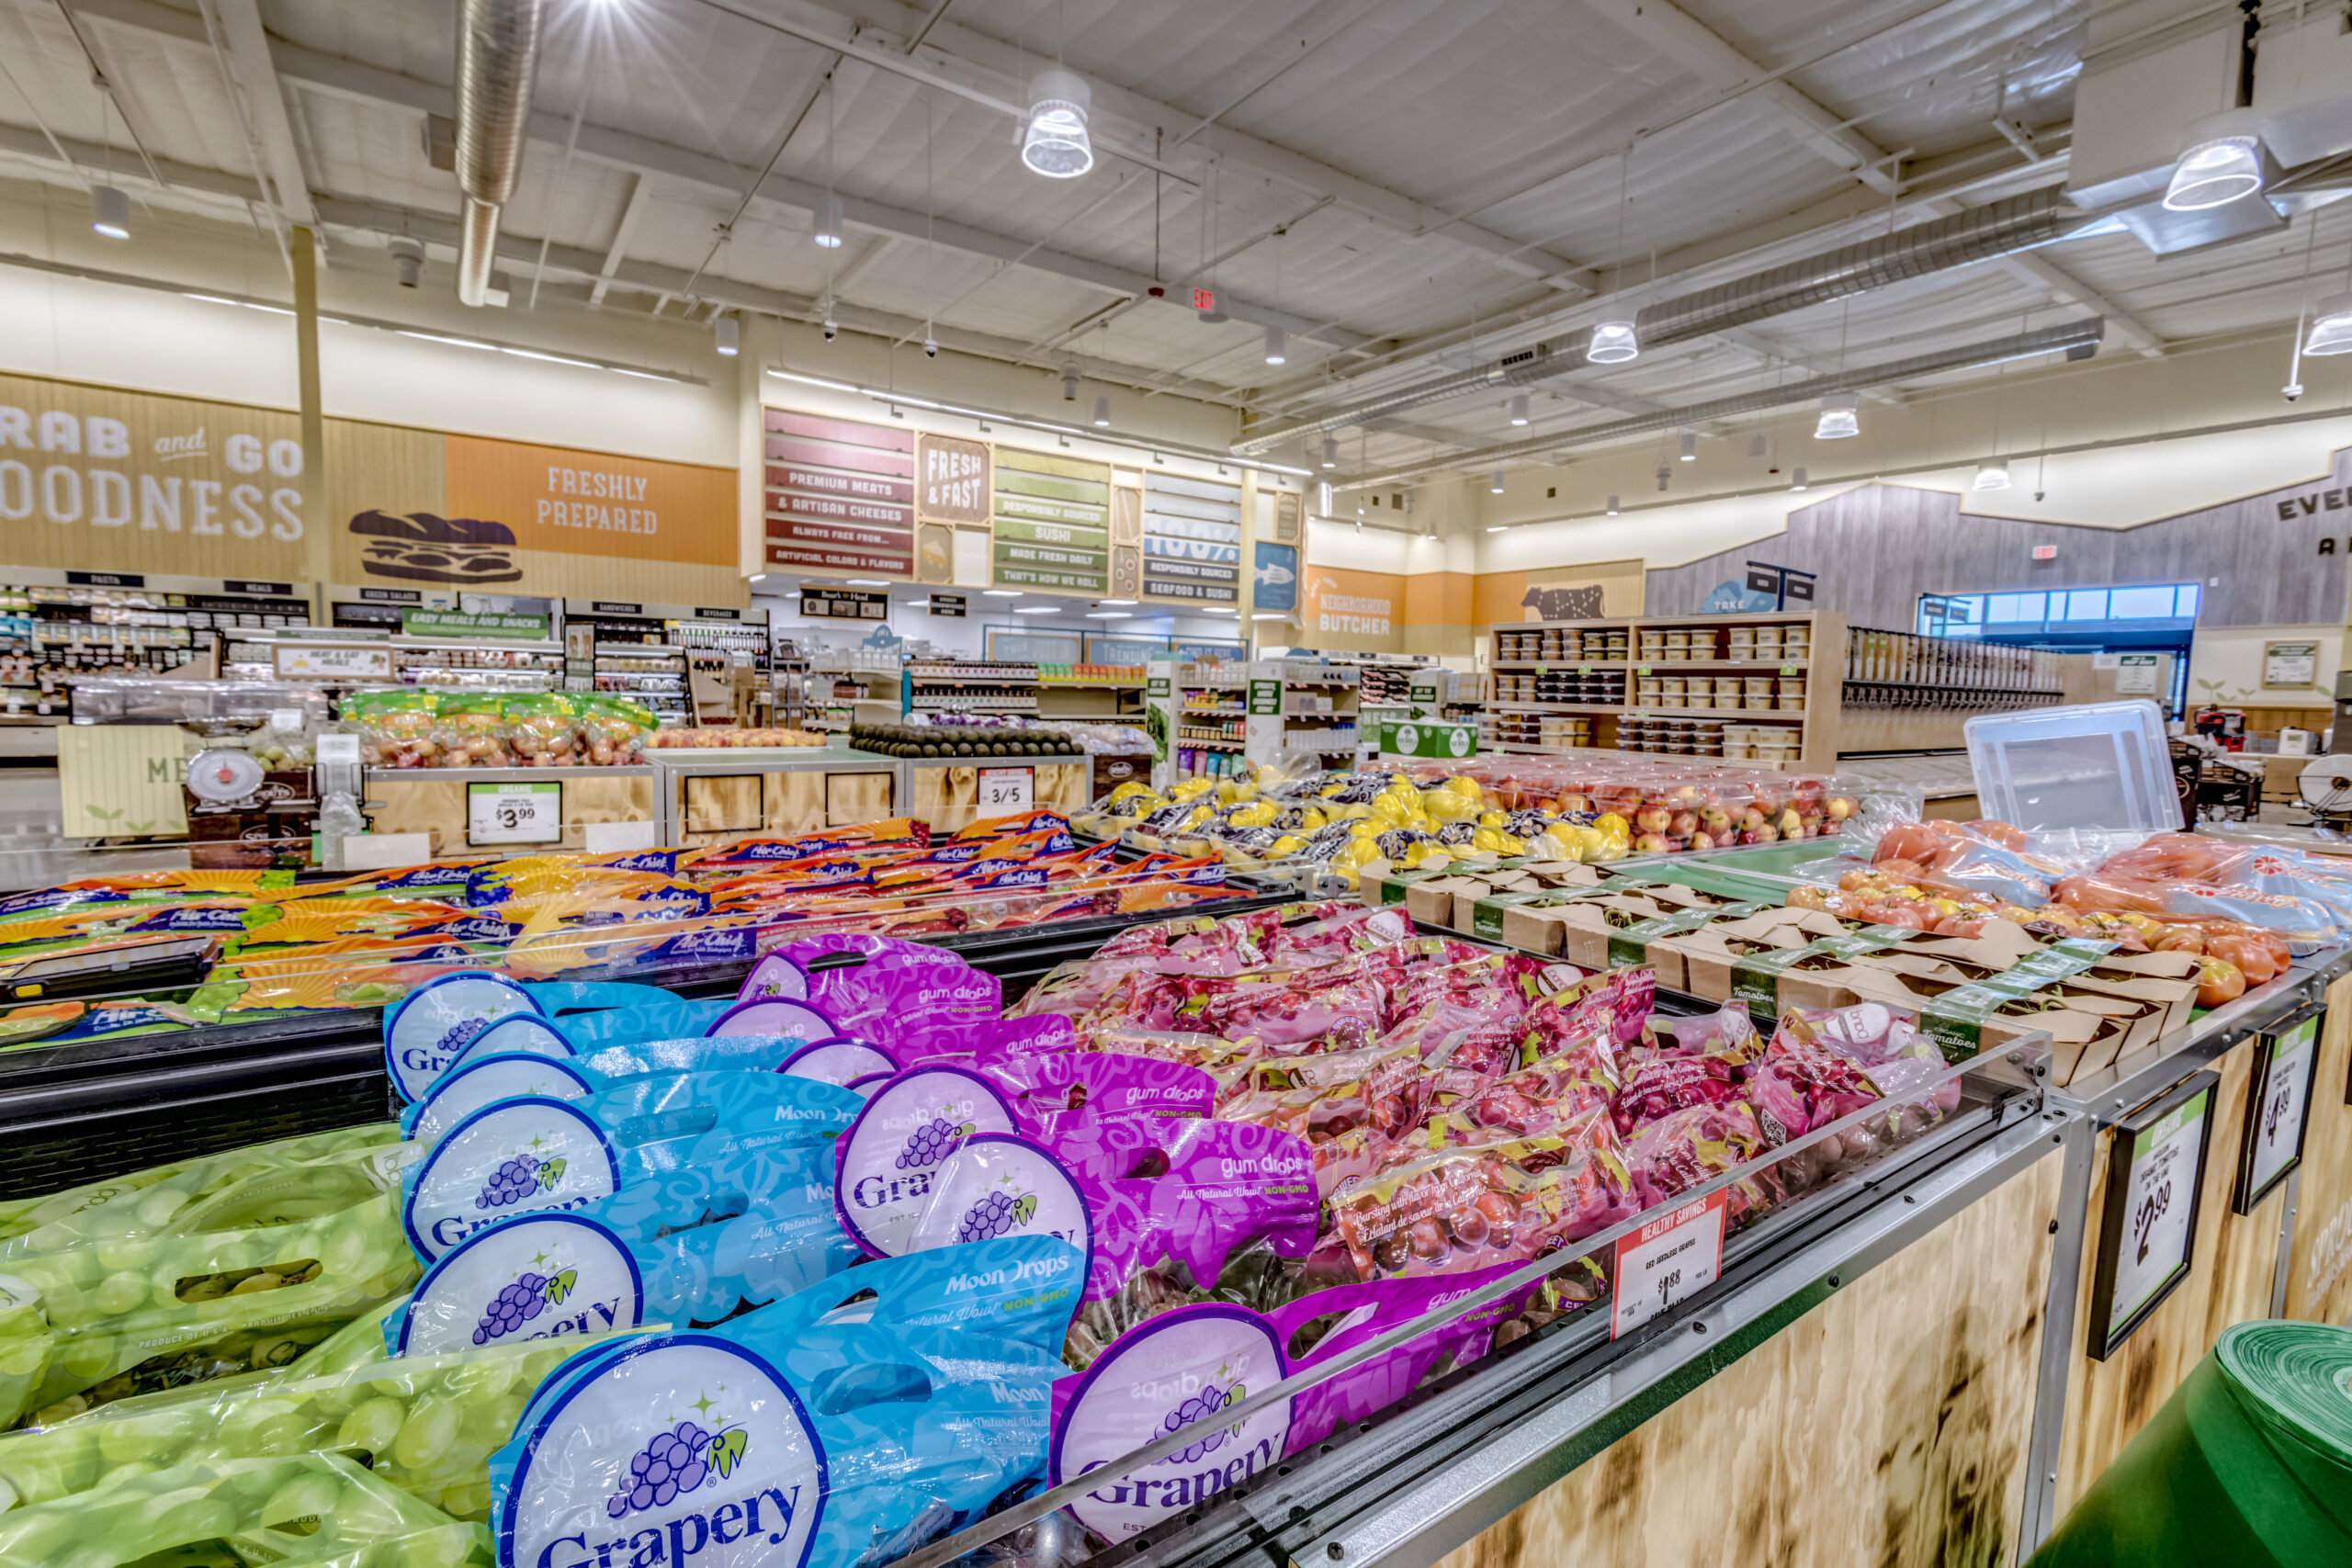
(996,1215)
(931,1142)
(461,1035)
(1208,1402)
(516,1179)
(519,1302)
(679,1460)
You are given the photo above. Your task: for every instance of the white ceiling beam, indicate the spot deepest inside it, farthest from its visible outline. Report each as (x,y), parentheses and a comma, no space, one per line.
(1690,43)
(255,80)
(685,167)
(1365,196)
(623,232)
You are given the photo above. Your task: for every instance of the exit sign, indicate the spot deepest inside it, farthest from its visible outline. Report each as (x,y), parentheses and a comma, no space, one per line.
(1204,298)
(2045,552)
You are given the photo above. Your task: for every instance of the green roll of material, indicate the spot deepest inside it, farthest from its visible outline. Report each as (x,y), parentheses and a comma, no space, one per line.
(2249,1464)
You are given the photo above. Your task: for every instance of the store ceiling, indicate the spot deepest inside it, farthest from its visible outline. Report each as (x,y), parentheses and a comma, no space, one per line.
(1448,172)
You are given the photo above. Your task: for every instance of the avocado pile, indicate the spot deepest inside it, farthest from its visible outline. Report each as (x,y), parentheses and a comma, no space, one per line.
(924,740)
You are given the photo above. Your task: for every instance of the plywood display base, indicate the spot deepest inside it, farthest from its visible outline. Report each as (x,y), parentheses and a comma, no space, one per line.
(2319,1257)
(716,797)
(948,797)
(1886,1426)
(433,801)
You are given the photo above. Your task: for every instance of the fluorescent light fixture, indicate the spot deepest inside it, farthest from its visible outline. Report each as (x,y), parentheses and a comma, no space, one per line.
(1690,445)
(867,582)
(1219,610)
(1102,413)
(1519,407)
(1056,143)
(1109,616)
(110,212)
(828,229)
(1495,484)
(1499,527)
(1612,506)
(728,334)
(1799,480)
(1271,616)
(1115,600)
(452,341)
(1000,593)
(2331,327)
(1323,498)
(247,304)
(551,359)
(1840,417)
(1994,475)
(2220,161)
(1276,343)
(1038,610)
(815,381)
(1330,451)
(1614,343)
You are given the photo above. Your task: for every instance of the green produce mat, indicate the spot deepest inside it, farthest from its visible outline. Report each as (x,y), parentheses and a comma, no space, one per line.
(2248,1464)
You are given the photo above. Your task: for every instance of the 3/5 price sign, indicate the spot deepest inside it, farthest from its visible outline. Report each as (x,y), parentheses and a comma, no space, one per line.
(1006,790)
(514,813)
(2148,1231)
(1668,1258)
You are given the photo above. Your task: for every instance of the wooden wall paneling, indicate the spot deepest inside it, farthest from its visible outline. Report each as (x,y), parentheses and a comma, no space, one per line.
(2231,1273)
(1887,1426)
(2319,1260)
(1878,548)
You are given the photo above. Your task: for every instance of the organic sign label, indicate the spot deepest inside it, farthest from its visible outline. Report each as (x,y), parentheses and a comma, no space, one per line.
(1667,1261)
(514,813)
(2158,1206)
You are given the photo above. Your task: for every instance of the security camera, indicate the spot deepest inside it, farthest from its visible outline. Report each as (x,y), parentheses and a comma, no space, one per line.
(1072,375)
(832,327)
(2292,391)
(930,349)
(408,259)
(2038,495)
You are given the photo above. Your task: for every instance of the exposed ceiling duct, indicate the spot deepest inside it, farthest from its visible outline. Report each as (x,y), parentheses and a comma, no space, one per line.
(1980,233)
(2074,339)
(498,55)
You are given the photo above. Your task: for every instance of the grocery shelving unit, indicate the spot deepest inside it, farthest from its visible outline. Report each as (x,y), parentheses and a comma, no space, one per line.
(51,636)
(1090,693)
(1316,710)
(1760,689)
(961,686)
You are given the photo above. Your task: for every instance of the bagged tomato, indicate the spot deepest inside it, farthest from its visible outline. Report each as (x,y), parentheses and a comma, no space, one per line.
(1452,1211)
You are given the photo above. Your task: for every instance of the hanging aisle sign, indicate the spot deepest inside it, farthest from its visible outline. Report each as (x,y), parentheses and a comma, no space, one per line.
(1053,522)
(2156,1172)
(839,495)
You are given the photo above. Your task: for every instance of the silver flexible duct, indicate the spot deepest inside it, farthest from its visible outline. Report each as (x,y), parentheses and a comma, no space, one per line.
(2076,338)
(498,55)
(1980,233)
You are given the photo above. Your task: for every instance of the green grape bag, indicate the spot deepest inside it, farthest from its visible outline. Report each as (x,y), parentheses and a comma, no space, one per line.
(136,1315)
(190,1178)
(300,1511)
(427,1424)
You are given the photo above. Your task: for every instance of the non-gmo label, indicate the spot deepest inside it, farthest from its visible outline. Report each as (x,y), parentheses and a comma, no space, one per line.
(1665,1261)
(1176,1372)
(685,1447)
(887,1161)
(543,1277)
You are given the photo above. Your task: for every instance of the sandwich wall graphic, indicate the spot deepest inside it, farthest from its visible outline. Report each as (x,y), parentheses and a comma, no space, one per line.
(97,479)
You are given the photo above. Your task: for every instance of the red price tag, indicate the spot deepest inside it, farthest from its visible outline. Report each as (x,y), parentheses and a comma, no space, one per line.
(1665,1261)
(1204,298)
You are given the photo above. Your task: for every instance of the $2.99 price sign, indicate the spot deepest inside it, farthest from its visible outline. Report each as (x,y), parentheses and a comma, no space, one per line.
(1666,1261)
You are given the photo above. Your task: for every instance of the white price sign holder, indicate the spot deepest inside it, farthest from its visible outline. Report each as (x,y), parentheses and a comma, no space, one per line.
(2277,1109)
(1670,1257)
(514,813)
(1006,790)
(2147,1240)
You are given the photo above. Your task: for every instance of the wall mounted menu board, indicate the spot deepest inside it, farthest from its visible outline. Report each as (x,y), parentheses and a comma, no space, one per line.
(1053,522)
(954,488)
(1191,540)
(840,495)
(2147,1239)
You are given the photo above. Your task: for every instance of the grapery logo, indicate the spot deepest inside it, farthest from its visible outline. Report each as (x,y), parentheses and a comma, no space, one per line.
(685,1458)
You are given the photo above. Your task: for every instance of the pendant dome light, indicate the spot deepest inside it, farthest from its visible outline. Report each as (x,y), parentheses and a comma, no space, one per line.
(1993,475)
(1495,484)
(2331,327)
(1689,453)
(1614,340)
(1519,407)
(2220,161)
(1612,506)
(110,212)
(1056,143)
(1330,451)
(1277,344)
(1840,417)
(1101,413)
(1798,479)
(726,334)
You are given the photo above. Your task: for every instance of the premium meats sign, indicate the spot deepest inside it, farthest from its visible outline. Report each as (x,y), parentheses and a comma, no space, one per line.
(840,495)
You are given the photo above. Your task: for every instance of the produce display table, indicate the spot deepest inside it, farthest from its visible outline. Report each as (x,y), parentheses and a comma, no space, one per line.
(952,793)
(712,794)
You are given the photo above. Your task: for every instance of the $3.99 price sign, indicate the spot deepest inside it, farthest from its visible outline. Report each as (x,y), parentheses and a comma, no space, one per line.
(1006,790)
(1668,1258)
(514,813)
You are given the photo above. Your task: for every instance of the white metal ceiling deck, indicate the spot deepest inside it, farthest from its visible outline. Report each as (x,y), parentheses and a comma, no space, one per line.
(1440,166)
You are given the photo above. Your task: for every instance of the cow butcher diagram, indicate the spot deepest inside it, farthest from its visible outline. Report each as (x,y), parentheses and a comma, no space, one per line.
(1564,603)
(421,547)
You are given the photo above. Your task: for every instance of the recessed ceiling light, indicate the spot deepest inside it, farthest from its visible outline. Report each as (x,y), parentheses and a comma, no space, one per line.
(1109,616)
(1222,610)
